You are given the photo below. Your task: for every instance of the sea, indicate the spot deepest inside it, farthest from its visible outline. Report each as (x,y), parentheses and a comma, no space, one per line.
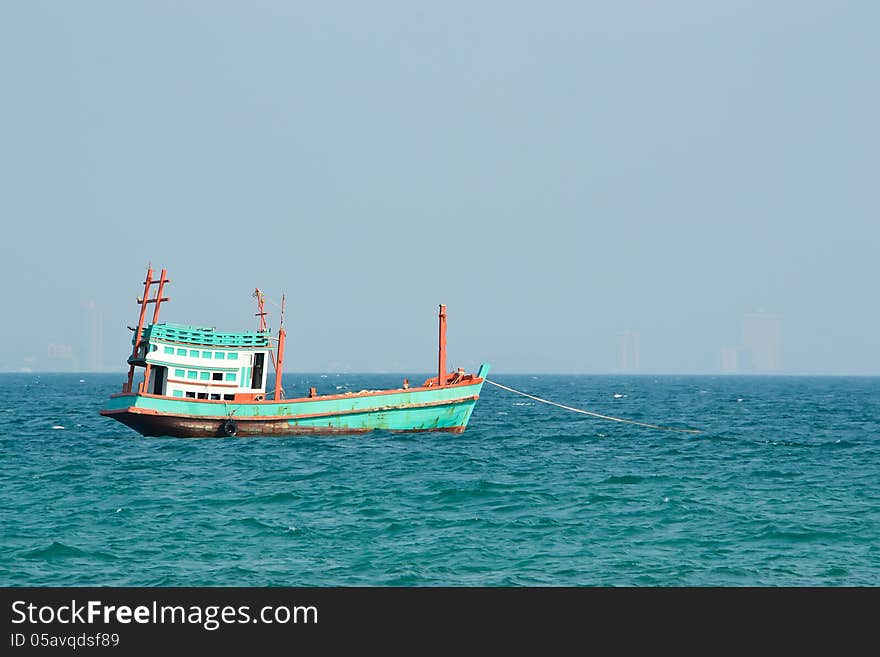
(781,487)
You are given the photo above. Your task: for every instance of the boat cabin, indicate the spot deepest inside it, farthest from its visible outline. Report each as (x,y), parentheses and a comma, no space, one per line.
(194,362)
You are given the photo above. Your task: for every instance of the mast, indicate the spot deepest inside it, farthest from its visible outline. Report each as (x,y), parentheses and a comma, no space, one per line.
(262,313)
(143,301)
(158,301)
(279,361)
(441,360)
(140,327)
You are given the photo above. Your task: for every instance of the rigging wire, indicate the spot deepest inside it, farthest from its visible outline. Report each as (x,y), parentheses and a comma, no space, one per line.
(598,415)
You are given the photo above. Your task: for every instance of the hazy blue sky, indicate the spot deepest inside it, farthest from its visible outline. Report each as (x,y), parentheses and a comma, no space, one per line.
(555,172)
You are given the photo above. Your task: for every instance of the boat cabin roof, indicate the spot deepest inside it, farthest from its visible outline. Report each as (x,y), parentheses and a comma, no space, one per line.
(203,335)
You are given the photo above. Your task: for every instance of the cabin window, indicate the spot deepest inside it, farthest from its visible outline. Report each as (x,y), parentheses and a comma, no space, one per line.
(194,353)
(192,374)
(169,350)
(257,376)
(203,395)
(205,376)
(215,396)
(191,395)
(228,397)
(219,355)
(180,373)
(207,354)
(233,355)
(178,393)
(217,376)
(181,352)
(154,347)
(230,376)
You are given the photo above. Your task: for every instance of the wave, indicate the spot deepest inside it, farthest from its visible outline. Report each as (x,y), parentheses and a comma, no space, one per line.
(59,550)
(480,488)
(266,526)
(775,474)
(274,498)
(798,535)
(623,479)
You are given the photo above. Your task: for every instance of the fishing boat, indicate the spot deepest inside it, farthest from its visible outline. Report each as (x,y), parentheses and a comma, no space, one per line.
(198,383)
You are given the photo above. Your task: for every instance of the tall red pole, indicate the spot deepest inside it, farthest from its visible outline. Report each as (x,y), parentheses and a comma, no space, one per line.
(140,327)
(441,364)
(278,361)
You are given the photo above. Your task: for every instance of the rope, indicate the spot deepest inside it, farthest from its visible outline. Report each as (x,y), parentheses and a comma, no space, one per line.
(604,417)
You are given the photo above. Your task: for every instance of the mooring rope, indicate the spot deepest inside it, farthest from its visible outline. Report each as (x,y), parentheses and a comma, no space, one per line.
(599,415)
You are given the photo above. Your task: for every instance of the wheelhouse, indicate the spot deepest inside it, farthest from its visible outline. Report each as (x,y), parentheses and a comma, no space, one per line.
(194,362)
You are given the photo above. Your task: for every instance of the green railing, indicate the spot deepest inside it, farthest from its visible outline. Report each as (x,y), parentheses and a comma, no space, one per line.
(200,335)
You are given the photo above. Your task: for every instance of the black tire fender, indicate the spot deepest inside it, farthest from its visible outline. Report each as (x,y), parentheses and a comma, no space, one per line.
(229,428)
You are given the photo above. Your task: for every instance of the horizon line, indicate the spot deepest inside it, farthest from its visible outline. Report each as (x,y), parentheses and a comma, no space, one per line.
(503,373)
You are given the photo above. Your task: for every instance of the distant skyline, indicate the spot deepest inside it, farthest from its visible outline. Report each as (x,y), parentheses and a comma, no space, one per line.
(760,349)
(757,353)
(630,351)
(556,173)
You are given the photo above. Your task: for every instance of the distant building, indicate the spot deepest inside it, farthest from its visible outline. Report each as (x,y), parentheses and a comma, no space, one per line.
(760,351)
(729,360)
(96,338)
(60,358)
(762,340)
(630,349)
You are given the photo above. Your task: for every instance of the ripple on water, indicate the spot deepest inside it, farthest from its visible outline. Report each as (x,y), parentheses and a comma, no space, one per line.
(57,551)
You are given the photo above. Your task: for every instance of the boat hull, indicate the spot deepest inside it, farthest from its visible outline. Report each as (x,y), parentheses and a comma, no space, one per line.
(446,408)
(188,427)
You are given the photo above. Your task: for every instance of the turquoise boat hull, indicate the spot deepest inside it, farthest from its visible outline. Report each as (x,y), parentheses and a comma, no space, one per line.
(431,408)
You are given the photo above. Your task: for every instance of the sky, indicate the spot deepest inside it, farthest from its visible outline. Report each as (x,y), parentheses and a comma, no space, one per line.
(557,173)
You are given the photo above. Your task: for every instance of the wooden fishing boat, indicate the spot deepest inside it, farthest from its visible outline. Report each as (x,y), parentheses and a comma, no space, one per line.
(199,383)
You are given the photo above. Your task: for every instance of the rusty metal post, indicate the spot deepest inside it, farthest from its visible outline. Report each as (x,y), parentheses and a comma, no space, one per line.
(278,363)
(441,364)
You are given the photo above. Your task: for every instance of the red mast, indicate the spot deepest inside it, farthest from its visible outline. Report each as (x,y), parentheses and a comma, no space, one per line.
(140,327)
(278,361)
(158,301)
(143,301)
(441,360)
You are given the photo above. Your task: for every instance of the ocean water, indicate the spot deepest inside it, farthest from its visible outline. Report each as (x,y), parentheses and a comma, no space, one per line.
(782,488)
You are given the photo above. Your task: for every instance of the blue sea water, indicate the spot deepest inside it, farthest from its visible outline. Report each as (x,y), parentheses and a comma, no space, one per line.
(782,488)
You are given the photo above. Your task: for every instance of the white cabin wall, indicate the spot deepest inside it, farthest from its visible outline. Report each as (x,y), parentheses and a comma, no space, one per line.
(194,360)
